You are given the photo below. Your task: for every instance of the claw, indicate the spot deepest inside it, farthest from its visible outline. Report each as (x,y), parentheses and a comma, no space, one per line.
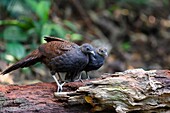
(88,77)
(79,79)
(60,86)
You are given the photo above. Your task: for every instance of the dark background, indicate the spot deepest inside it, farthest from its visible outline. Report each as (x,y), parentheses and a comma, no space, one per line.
(135,32)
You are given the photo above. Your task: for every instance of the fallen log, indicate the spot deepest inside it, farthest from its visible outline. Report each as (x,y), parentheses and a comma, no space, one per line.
(129,91)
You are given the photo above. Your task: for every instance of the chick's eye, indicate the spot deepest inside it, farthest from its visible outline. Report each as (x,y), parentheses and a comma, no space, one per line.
(101,51)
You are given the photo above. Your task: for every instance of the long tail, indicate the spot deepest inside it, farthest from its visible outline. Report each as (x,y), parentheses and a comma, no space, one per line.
(29,60)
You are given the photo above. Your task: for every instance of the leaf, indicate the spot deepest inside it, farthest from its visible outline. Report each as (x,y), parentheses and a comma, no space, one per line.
(14,33)
(15,49)
(126,46)
(89,99)
(24,25)
(42,10)
(71,25)
(135,2)
(26,71)
(61,32)
(32,4)
(54,30)
(76,37)
(46,30)
(9,57)
(97,108)
(113,8)
(1,35)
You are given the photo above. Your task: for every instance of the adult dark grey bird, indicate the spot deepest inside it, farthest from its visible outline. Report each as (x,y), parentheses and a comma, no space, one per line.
(59,56)
(95,62)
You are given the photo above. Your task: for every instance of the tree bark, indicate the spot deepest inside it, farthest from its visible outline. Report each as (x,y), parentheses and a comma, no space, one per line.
(132,90)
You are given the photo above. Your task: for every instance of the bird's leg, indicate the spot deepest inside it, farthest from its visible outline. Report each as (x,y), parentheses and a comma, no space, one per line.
(88,77)
(59,76)
(68,78)
(60,86)
(79,79)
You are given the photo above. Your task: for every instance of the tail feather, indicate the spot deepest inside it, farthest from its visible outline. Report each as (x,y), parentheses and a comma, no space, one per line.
(29,60)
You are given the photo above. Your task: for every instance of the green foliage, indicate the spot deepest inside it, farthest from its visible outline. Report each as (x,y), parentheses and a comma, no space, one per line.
(15,49)
(76,37)
(137,2)
(60,31)
(126,46)
(53,29)
(113,7)
(41,8)
(14,33)
(166,2)
(71,25)
(23,24)
(26,24)
(26,71)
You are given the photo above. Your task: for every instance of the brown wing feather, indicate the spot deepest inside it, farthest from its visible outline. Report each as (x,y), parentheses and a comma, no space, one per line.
(49,39)
(56,48)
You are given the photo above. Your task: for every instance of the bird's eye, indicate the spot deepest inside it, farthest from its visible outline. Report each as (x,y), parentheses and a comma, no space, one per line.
(101,50)
(88,49)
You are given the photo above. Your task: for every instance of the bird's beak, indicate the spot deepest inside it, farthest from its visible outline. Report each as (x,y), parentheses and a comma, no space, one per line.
(106,54)
(92,52)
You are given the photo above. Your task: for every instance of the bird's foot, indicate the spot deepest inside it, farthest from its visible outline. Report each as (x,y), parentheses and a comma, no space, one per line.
(78,80)
(60,87)
(88,77)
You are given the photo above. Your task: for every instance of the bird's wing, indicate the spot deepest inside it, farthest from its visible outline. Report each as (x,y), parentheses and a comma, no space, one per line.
(56,48)
(49,39)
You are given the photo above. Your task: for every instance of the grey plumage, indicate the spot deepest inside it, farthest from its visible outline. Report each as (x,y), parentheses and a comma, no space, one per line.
(95,62)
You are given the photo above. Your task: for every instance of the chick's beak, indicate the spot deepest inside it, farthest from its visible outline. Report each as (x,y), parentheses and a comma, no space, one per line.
(106,54)
(92,52)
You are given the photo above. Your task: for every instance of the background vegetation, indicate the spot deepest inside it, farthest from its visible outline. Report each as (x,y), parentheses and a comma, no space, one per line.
(136,32)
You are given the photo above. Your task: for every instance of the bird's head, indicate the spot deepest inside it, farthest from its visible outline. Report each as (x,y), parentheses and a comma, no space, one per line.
(87,48)
(102,52)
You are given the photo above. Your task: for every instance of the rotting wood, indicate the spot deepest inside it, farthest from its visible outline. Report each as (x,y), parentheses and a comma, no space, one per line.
(132,90)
